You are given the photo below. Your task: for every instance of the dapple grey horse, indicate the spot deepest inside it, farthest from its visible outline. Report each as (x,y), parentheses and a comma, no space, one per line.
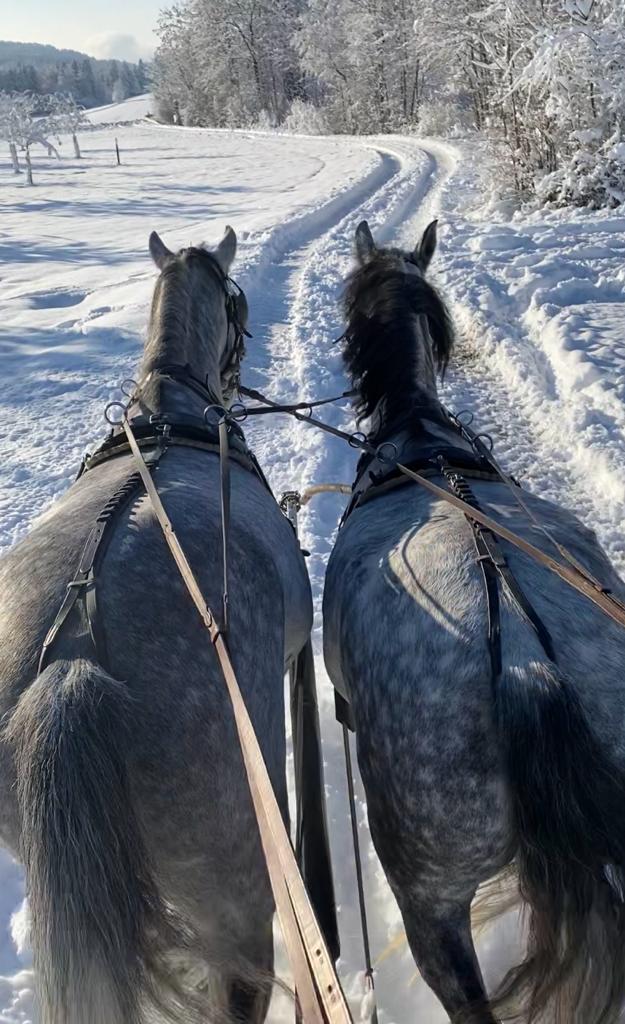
(123,791)
(466,771)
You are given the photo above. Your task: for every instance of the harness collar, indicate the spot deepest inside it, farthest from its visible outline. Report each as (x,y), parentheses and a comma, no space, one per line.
(420,438)
(158,430)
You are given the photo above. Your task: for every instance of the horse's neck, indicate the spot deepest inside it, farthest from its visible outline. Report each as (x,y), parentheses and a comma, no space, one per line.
(403,412)
(181,335)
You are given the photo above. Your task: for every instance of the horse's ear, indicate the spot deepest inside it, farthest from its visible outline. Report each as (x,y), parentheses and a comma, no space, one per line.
(365,246)
(427,246)
(226,250)
(159,251)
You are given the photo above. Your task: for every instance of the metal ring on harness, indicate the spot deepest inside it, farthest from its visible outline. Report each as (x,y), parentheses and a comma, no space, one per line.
(491,443)
(127,383)
(387,458)
(222,415)
(114,405)
(464,413)
(357,439)
(237,412)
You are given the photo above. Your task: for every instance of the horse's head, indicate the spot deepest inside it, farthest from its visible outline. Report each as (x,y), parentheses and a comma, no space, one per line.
(199,315)
(398,333)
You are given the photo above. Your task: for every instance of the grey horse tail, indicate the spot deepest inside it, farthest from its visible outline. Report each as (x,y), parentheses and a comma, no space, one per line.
(98,922)
(568,792)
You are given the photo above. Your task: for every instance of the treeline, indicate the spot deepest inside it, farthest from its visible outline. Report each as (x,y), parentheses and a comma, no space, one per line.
(544,79)
(92,83)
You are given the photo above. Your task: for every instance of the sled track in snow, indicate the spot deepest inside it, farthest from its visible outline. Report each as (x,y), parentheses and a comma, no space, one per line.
(503,375)
(296,311)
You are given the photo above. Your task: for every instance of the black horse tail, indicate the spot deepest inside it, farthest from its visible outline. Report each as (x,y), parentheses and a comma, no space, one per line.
(568,793)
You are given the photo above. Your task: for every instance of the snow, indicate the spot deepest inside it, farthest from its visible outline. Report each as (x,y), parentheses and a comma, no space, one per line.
(538,302)
(129,110)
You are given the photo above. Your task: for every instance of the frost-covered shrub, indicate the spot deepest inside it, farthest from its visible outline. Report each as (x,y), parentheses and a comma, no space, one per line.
(265,121)
(306,119)
(442,117)
(589,178)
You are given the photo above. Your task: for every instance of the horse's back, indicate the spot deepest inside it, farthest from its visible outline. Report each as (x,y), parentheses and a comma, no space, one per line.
(183,757)
(407,561)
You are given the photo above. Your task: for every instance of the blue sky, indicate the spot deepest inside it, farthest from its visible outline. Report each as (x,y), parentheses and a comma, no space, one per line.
(102,28)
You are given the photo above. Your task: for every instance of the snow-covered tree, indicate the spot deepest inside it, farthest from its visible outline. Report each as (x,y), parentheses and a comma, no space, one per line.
(7,128)
(69,117)
(226,62)
(544,78)
(23,128)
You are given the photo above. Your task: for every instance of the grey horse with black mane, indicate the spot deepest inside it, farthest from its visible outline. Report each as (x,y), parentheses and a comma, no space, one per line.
(123,790)
(469,766)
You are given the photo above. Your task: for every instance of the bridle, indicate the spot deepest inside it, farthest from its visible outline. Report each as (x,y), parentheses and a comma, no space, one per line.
(236,310)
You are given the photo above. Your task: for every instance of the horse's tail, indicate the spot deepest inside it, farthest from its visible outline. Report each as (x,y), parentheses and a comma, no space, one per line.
(99,926)
(568,794)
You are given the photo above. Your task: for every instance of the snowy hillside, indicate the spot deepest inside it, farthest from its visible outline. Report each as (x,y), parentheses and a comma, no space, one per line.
(541,363)
(119,113)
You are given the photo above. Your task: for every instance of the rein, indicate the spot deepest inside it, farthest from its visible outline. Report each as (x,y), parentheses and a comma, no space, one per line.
(320,996)
(575,575)
(243,412)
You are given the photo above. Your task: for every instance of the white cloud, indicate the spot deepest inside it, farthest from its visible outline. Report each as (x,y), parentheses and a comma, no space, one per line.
(117,46)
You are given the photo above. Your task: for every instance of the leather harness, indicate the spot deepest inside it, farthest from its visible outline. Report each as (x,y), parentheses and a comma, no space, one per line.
(437,443)
(312,949)
(155,436)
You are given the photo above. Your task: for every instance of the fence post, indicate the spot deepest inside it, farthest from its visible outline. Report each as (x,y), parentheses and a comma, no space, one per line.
(117,152)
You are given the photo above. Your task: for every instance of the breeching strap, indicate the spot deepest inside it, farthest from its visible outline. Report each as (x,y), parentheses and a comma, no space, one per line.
(319,992)
(579,580)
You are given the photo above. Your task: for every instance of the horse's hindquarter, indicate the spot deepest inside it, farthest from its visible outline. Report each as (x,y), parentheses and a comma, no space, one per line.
(405,636)
(199,800)
(184,760)
(405,625)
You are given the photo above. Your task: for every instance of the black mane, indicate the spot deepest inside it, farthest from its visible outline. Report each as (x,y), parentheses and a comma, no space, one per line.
(381,301)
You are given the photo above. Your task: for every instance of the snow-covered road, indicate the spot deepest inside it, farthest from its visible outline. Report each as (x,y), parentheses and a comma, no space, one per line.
(539,305)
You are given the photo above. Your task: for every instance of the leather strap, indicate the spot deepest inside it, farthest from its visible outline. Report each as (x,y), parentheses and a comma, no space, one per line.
(84,583)
(518,496)
(295,407)
(494,566)
(318,988)
(224,472)
(579,580)
(607,602)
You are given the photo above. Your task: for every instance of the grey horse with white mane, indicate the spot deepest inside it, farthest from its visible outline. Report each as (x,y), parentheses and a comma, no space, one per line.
(122,786)
(469,765)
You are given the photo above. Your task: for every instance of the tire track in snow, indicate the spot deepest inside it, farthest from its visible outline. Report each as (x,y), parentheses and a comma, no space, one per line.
(292,356)
(501,375)
(299,347)
(295,309)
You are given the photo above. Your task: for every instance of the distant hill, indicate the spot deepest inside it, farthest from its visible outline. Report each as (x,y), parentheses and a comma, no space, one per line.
(36,54)
(42,69)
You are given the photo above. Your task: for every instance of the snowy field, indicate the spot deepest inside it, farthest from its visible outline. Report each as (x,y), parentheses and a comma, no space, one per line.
(540,361)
